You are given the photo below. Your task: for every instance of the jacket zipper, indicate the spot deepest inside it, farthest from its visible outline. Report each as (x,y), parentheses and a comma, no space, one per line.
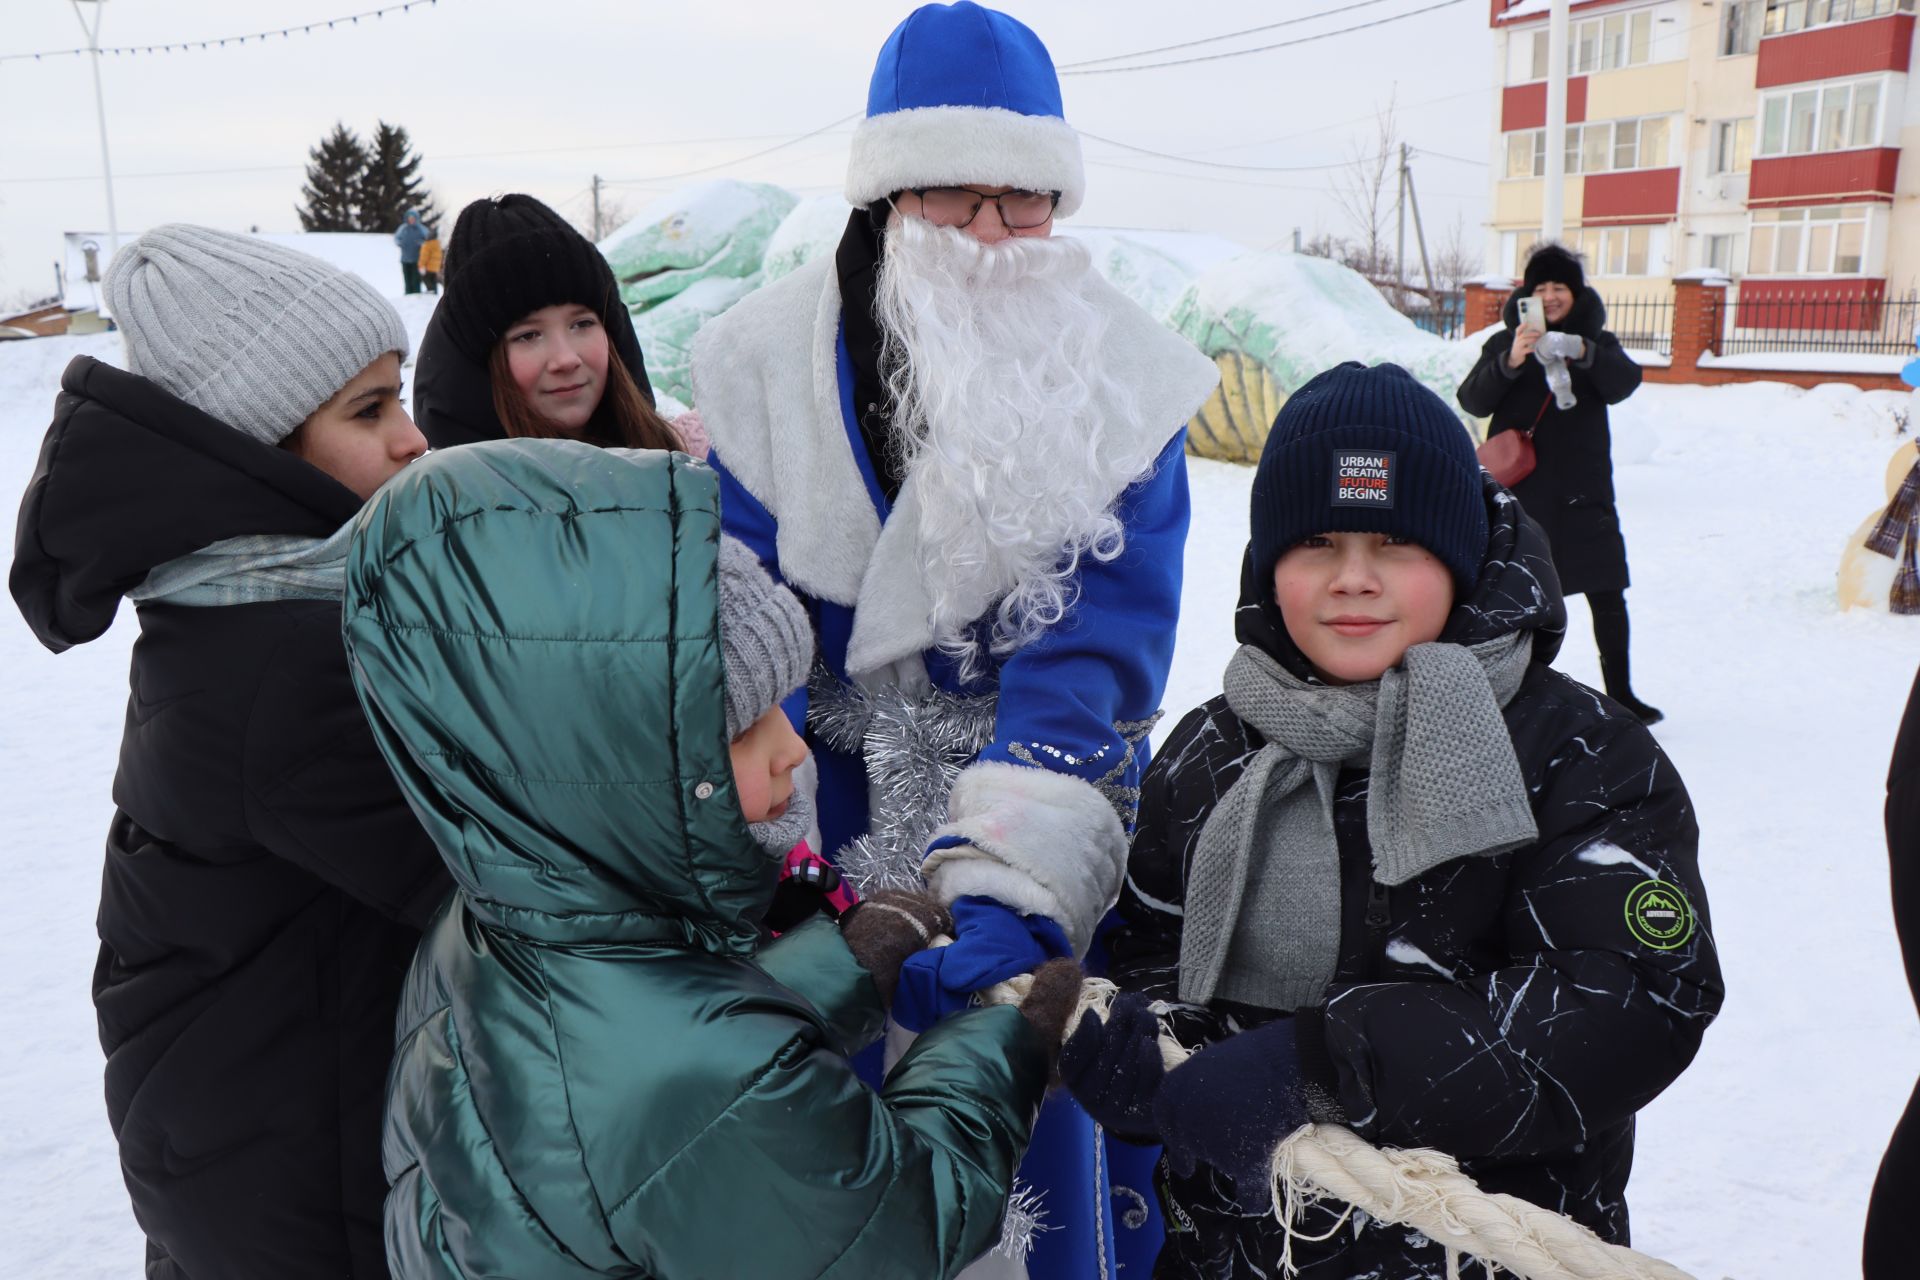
(1379,917)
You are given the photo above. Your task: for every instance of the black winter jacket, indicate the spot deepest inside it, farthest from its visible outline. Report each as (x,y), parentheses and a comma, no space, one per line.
(1501,1009)
(1571,489)
(1896,1191)
(265,883)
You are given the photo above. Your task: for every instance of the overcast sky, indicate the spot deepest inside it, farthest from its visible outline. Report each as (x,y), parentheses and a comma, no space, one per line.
(539,95)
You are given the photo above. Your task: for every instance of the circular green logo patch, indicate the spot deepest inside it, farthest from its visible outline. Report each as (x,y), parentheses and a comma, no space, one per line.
(1658,915)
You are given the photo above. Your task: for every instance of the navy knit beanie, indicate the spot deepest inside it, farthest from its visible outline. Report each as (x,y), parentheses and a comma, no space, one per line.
(1370,450)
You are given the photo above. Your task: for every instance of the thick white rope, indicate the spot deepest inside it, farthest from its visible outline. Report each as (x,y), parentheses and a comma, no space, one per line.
(1421,1189)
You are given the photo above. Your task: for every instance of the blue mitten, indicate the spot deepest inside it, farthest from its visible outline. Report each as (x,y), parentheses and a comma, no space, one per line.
(1114,1069)
(1229,1106)
(991,943)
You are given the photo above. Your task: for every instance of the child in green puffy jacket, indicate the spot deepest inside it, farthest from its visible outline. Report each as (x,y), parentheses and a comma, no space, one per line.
(602,1071)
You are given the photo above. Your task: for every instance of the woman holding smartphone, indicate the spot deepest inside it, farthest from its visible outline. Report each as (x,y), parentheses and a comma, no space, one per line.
(1553,371)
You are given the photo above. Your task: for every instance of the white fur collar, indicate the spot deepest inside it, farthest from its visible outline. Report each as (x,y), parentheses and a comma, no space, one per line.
(766,382)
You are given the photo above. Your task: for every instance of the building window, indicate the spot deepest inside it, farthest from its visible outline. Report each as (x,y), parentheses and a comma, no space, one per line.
(1520,244)
(1722,252)
(1740,27)
(1830,240)
(1527,153)
(1608,146)
(1842,116)
(1608,43)
(1784,16)
(1613,251)
(1732,146)
(1540,47)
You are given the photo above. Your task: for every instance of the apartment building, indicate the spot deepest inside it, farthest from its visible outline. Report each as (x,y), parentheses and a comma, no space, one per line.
(1762,138)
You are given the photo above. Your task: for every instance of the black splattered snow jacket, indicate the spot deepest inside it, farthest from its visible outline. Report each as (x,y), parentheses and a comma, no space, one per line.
(1510,1010)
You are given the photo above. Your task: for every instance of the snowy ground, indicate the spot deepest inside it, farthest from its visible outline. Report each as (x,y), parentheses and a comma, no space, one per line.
(1736,501)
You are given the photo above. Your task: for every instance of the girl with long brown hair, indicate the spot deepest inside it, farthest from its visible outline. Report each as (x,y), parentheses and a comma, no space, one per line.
(531,339)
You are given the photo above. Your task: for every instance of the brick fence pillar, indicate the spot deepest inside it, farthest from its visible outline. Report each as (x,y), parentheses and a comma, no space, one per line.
(1485,296)
(1699,303)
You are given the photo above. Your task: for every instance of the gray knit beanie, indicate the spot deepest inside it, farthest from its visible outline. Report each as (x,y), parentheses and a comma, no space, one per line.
(256,335)
(765,637)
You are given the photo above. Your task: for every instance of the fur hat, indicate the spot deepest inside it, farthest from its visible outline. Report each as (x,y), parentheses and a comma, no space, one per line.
(1553,264)
(256,335)
(511,255)
(1370,450)
(963,94)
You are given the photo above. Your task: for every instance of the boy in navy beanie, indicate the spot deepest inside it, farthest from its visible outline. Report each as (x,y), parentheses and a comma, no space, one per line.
(1401,875)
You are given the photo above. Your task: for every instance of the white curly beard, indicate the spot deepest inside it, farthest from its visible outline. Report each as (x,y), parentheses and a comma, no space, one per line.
(995,364)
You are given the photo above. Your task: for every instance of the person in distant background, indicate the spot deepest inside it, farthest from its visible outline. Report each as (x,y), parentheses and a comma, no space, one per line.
(411,235)
(430,260)
(1558,384)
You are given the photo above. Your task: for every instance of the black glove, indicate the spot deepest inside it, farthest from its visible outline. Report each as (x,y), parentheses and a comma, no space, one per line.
(1230,1105)
(1114,1069)
(801,896)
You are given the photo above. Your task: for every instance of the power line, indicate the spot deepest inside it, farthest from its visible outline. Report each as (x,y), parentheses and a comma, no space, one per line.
(1265,48)
(1441,155)
(728,164)
(1231,35)
(1217,164)
(213,42)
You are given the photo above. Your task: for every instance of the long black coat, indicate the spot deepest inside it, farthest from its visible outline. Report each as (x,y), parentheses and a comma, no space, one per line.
(1896,1191)
(1496,1008)
(1571,489)
(265,883)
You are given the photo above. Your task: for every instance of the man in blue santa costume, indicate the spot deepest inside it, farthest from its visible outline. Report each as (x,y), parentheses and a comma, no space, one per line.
(965,451)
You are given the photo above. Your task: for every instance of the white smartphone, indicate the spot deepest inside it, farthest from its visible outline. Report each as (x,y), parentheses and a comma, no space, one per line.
(1532,315)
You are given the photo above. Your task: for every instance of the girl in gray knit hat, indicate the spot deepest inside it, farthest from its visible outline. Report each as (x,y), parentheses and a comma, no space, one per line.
(265,883)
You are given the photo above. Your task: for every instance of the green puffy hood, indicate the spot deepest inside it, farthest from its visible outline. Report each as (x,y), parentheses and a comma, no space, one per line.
(533,630)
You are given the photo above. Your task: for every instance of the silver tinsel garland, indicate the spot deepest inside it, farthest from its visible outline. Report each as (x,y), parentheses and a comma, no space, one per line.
(1025,1220)
(914,748)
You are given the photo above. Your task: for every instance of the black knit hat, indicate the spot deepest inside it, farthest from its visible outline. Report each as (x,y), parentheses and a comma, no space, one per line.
(1370,450)
(1552,263)
(511,255)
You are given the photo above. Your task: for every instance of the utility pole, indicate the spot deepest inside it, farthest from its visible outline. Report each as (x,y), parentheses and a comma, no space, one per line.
(1296,239)
(1420,235)
(100,109)
(1553,206)
(1400,251)
(598,231)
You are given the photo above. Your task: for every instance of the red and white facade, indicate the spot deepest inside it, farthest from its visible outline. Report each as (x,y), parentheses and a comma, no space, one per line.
(1761,138)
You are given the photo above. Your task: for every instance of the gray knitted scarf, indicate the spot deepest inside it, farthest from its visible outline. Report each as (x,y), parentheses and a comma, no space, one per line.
(252,568)
(1263,894)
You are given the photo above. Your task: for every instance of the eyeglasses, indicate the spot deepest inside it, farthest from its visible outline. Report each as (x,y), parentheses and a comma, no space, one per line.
(959,206)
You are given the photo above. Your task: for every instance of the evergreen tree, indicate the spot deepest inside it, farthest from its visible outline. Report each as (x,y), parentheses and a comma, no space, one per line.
(336,170)
(391,184)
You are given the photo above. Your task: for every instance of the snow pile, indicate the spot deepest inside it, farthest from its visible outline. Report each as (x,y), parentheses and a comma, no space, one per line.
(713,230)
(1297,316)
(810,231)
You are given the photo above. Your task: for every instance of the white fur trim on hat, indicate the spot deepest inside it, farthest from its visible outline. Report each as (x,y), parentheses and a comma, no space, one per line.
(931,146)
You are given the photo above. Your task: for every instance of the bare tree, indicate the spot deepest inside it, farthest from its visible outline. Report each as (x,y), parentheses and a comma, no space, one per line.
(1360,191)
(1457,258)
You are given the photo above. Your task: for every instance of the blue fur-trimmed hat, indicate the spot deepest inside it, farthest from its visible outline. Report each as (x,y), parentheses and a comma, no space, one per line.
(964,94)
(1370,450)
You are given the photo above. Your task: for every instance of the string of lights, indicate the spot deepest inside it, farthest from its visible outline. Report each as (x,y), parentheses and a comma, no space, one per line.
(221,42)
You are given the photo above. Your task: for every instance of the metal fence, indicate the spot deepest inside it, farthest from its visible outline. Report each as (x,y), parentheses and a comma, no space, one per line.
(1644,324)
(1868,326)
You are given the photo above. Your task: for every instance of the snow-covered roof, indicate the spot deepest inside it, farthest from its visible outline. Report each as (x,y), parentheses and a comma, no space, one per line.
(370,255)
